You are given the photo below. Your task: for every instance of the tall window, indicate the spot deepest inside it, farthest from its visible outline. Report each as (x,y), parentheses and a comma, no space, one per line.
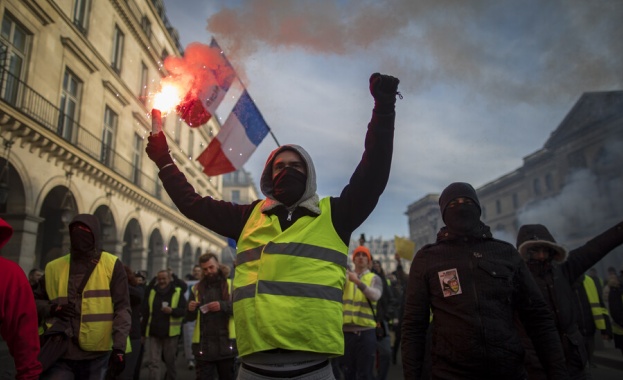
(235,196)
(137,150)
(81,14)
(70,104)
(536,186)
(549,182)
(117,49)
(146,26)
(178,130)
(108,136)
(14,43)
(191,144)
(144,82)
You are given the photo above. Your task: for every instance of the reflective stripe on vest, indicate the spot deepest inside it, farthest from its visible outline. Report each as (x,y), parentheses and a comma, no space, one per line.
(356,308)
(288,284)
(175,323)
(598,311)
(97,308)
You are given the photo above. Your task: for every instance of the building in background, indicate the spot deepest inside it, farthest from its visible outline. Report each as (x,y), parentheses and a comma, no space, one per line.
(573,184)
(238,187)
(75,84)
(382,250)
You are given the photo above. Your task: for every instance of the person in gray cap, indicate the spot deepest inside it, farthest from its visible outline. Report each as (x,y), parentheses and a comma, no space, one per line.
(288,322)
(474,285)
(555,271)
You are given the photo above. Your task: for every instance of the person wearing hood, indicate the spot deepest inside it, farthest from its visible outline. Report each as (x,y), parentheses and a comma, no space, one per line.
(474,285)
(555,271)
(99,316)
(292,247)
(18,316)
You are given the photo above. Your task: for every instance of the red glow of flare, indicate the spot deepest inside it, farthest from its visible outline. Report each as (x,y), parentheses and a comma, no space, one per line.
(168,98)
(192,111)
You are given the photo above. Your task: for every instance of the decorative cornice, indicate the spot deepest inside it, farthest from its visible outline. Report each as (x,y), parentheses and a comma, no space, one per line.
(71,46)
(109,86)
(39,12)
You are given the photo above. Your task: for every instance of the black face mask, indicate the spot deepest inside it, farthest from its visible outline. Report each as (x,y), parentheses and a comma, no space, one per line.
(289,186)
(81,241)
(462,218)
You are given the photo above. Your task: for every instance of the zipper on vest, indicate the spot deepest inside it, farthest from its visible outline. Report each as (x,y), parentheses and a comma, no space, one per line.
(289,218)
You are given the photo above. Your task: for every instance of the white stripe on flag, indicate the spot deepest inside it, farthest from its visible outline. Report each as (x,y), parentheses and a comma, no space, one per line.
(235,143)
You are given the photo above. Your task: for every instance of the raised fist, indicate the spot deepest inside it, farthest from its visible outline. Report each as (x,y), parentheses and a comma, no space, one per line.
(384,89)
(158,150)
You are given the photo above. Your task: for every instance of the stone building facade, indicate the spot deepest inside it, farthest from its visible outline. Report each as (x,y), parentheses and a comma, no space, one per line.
(573,184)
(76,82)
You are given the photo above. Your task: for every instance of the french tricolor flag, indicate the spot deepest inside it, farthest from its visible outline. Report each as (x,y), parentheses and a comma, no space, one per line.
(238,138)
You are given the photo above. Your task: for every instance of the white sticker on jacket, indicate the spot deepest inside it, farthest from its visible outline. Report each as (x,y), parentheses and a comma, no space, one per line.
(450,283)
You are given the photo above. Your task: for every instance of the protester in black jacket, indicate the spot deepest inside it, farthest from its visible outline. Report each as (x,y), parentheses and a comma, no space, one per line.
(555,271)
(474,285)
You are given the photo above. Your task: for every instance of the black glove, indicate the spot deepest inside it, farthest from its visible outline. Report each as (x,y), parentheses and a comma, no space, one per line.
(63,312)
(158,150)
(384,89)
(116,363)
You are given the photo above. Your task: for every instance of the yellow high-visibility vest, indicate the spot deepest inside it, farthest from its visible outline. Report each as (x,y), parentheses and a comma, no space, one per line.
(599,312)
(175,323)
(97,308)
(356,308)
(288,284)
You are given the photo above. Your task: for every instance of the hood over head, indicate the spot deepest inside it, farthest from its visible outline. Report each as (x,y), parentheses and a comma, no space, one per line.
(309,199)
(90,250)
(530,235)
(6,231)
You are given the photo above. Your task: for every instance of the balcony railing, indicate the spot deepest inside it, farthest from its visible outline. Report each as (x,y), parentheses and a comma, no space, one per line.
(29,102)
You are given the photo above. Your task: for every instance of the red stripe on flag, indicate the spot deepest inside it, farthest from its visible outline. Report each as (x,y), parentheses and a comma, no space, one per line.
(214,161)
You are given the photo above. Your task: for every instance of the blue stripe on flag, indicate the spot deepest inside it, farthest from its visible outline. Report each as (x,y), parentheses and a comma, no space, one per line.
(250,117)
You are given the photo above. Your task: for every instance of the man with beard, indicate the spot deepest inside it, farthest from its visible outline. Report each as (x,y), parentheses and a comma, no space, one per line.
(474,285)
(292,247)
(99,315)
(163,311)
(555,272)
(210,307)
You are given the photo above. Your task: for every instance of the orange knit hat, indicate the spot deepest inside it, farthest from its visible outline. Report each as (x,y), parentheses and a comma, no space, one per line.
(363,249)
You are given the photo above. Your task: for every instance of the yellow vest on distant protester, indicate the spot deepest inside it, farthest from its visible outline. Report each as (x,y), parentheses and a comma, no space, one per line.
(175,323)
(288,284)
(357,310)
(97,307)
(599,312)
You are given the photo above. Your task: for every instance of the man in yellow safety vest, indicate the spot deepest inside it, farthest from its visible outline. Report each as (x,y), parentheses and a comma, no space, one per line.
(164,308)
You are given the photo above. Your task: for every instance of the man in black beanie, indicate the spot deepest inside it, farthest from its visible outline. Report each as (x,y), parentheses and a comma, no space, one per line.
(474,285)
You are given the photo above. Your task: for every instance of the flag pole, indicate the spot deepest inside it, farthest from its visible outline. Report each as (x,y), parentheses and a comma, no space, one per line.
(274,138)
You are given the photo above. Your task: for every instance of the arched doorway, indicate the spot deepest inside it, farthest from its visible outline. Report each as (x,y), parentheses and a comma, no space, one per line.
(187,260)
(156,258)
(175,262)
(132,253)
(58,209)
